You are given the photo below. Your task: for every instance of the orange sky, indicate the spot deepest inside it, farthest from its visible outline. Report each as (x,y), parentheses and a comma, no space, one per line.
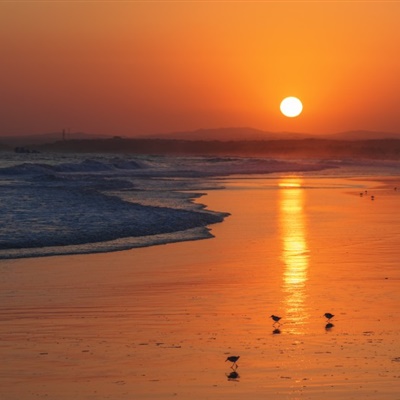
(131,68)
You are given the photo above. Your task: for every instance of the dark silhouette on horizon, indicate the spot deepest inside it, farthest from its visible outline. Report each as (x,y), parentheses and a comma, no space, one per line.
(377,149)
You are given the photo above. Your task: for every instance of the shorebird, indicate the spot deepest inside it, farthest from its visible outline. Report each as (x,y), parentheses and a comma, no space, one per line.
(328,315)
(275,318)
(233,360)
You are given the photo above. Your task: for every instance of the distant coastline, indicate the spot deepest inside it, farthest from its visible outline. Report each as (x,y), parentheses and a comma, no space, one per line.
(217,142)
(379,149)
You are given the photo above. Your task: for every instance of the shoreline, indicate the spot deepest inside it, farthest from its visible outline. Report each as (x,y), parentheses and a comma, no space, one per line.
(160,321)
(196,233)
(111,203)
(111,246)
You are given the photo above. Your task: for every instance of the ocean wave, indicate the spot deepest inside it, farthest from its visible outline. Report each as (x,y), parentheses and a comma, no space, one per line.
(87,165)
(58,204)
(59,217)
(109,246)
(95,203)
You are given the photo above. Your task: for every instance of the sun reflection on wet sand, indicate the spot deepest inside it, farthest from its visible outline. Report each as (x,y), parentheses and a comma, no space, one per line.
(294,252)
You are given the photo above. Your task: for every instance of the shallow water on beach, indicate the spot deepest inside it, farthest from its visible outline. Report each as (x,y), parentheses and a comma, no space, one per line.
(54,204)
(159,322)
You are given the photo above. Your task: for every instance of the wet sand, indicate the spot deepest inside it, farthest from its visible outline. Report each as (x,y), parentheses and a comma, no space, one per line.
(159,322)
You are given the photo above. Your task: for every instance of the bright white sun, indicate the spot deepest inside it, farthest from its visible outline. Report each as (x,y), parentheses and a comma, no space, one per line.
(291,107)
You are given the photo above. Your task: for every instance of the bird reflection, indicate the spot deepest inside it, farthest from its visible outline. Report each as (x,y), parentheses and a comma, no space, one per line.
(276,331)
(329,326)
(233,376)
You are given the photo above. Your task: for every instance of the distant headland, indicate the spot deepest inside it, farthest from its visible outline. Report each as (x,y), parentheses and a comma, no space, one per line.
(218,142)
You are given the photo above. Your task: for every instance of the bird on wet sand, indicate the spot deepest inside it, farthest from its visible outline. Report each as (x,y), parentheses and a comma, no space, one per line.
(328,315)
(276,318)
(233,360)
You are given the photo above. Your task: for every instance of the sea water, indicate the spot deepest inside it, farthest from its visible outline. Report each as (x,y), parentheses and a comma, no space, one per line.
(53,204)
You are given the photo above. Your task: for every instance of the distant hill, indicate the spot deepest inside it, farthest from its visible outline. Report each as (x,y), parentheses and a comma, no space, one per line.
(227,134)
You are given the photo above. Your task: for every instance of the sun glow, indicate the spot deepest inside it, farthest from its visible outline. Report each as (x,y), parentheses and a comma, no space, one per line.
(291,107)
(295,253)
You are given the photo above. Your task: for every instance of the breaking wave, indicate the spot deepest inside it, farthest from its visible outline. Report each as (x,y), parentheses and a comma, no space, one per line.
(58,204)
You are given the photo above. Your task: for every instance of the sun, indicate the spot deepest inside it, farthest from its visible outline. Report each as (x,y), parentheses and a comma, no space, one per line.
(291,107)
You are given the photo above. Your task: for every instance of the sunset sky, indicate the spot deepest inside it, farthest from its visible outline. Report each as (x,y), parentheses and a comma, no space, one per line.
(139,67)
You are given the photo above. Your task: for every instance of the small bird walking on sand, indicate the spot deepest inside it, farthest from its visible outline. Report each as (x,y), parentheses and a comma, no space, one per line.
(233,360)
(328,315)
(276,319)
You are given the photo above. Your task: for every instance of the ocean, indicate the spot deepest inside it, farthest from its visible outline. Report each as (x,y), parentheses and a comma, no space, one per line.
(55,204)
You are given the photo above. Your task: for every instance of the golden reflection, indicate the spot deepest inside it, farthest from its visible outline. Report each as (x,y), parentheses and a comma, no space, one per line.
(294,249)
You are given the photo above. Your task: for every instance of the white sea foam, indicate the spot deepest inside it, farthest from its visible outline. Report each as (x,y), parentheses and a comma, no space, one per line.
(57,204)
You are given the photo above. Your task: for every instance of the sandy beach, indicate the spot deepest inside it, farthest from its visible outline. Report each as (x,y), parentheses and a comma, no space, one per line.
(159,322)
